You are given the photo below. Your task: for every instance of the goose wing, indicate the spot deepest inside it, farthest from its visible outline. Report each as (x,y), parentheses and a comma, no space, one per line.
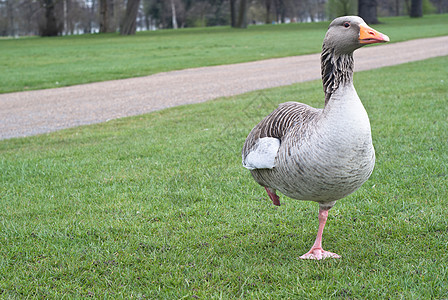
(261,146)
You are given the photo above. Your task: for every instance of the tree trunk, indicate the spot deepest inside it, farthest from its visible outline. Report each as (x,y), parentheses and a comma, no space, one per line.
(367,11)
(104,16)
(10,13)
(280,11)
(232,13)
(173,14)
(242,15)
(64,10)
(268,11)
(50,27)
(129,25)
(416,9)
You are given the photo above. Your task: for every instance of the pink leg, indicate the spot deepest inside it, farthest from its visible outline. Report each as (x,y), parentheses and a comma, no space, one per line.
(316,251)
(275,199)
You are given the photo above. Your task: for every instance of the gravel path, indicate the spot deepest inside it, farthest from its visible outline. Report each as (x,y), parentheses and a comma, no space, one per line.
(34,112)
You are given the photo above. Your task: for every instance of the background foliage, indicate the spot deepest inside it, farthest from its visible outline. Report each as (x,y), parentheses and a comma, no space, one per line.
(30,17)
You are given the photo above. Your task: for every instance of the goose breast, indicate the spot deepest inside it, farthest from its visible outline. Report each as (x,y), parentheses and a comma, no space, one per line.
(327,157)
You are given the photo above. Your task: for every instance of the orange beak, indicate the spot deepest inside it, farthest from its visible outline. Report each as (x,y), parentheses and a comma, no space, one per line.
(368,35)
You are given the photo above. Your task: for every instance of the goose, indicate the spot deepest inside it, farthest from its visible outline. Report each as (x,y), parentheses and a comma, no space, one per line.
(319,155)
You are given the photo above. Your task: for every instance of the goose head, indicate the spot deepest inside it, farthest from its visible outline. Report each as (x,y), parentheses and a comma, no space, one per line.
(346,34)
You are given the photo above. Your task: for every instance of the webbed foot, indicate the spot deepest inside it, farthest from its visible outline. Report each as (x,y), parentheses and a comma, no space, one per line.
(318,254)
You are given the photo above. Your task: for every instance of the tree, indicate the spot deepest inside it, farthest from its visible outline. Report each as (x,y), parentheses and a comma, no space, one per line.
(233,13)
(280,10)
(416,9)
(106,13)
(367,11)
(242,15)
(10,15)
(219,13)
(154,12)
(240,20)
(173,15)
(267,5)
(129,25)
(50,27)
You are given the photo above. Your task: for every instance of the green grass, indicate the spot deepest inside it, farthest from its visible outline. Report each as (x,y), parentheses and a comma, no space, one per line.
(158,206)
(36,63)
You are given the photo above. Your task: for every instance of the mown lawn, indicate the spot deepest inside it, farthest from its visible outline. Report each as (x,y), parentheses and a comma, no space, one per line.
(158,206)
(37,63)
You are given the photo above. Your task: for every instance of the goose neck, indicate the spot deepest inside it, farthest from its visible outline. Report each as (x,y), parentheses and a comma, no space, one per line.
(337,71)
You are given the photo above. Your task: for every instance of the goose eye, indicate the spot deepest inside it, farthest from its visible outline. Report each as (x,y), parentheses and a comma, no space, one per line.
(346,24)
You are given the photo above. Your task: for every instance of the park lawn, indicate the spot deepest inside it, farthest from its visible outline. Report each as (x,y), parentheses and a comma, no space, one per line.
(158,206)
(37,63)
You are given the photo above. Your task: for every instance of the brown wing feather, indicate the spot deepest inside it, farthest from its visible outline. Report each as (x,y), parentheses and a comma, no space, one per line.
(277,124)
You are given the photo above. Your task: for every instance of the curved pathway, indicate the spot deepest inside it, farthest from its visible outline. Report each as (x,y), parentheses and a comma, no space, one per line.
(42,111)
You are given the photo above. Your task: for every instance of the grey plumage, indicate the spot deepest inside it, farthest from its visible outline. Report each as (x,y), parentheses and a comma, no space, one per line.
(323,154)
(321,157)
(316,159)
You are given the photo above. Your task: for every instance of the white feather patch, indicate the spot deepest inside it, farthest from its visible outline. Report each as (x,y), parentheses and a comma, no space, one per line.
(263,154)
